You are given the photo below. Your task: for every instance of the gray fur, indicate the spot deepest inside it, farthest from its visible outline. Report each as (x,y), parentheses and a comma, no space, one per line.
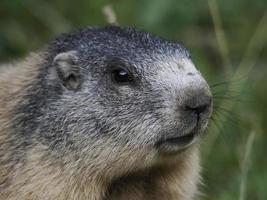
(96,114)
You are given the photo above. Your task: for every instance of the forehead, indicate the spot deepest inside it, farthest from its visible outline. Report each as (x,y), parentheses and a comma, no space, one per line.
(155,63)
(137,48)
(115,39)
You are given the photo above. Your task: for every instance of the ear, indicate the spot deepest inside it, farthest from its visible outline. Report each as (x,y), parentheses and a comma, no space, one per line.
(68,70)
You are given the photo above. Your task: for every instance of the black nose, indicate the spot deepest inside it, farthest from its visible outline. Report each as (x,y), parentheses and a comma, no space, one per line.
(198,103)
(198,109)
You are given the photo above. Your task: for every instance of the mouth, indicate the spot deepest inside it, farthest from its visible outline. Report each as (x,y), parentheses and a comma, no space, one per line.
(175,144)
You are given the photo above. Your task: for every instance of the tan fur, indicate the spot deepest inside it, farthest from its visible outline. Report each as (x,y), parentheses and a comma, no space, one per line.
(174,181)
(40,178)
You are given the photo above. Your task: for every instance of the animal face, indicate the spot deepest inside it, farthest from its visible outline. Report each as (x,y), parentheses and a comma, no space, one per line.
(128,88)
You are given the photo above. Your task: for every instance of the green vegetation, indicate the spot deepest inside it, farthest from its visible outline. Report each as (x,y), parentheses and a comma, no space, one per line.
(228,43)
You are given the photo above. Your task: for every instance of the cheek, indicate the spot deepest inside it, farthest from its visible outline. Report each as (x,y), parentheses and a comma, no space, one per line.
(123,97)
(134,130)
(147,130)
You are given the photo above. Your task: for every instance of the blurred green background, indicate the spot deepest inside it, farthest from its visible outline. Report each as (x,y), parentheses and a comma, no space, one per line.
(227,40)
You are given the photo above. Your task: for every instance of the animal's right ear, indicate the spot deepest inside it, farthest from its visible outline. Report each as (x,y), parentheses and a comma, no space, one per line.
(68,70)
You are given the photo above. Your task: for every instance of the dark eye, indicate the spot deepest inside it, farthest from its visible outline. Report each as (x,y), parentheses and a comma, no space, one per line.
(121,75)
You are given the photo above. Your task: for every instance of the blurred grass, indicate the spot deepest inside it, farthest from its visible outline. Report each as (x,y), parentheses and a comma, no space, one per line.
(245,165)
(227,40)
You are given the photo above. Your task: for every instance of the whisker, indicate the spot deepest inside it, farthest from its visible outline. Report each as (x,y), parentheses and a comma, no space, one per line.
(217,126)
(220,84)
(229,98)
(229,115)
(222,91)
(226,82)
(226,97)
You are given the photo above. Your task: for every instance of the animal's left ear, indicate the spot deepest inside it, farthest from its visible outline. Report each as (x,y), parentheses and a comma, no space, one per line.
(68,69)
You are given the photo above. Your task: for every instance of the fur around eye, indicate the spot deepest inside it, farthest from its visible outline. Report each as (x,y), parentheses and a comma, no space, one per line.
(121,75)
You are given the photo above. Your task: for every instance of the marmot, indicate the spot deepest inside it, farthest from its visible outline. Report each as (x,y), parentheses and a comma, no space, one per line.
(102,114)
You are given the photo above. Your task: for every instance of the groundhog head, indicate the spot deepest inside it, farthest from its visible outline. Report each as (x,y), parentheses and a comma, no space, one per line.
(114,98)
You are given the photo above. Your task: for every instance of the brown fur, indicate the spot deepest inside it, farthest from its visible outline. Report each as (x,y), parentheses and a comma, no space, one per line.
(41,178)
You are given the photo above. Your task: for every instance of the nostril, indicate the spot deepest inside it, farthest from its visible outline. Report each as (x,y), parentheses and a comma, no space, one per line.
(198,104)
(198,109)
